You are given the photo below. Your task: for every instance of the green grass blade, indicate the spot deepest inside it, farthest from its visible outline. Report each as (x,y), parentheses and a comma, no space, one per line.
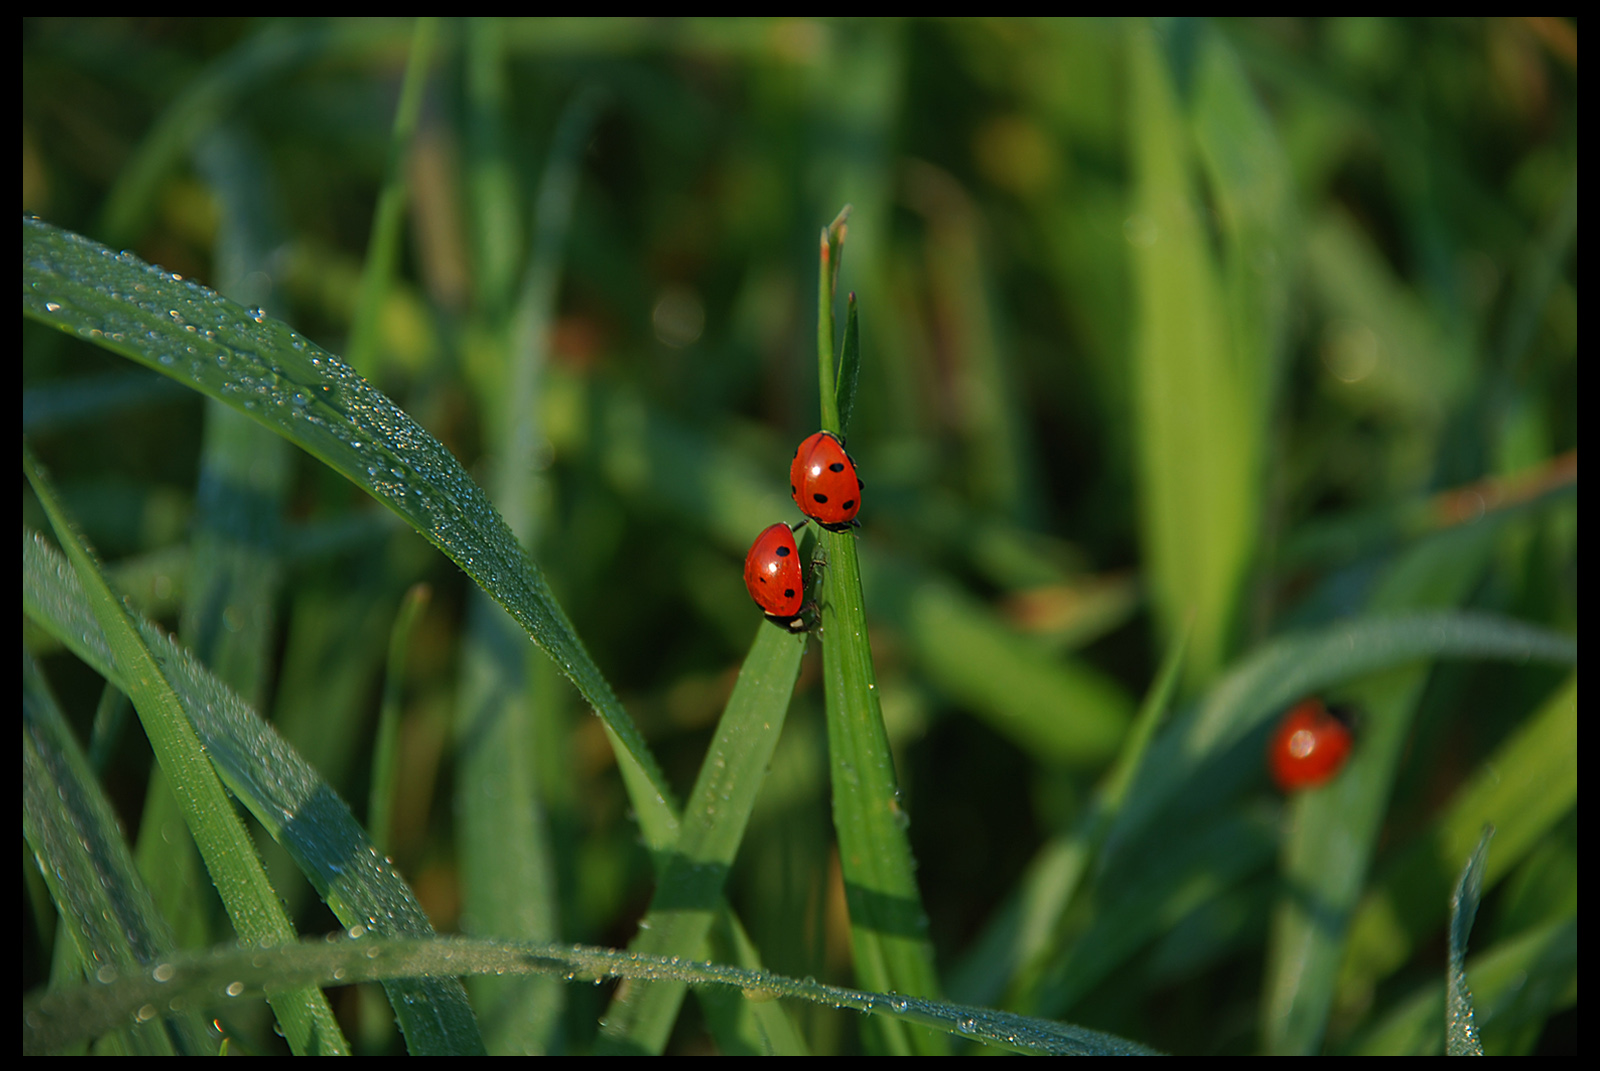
(72,831)
(230,857)
(286,795)
(53,1020)
(1461,1033)
(888,926)
(285,382)
(689,891)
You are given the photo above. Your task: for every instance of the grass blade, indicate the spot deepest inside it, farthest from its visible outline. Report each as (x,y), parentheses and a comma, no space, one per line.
(72,830)
(281,380)
(1200,431)
(230,857)
(56,1019)
(689,892)
(888,926)
(286,795)
(1461,1034)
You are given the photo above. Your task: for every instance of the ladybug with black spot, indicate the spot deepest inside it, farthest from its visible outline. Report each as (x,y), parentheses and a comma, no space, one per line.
(773,576)
(823,481)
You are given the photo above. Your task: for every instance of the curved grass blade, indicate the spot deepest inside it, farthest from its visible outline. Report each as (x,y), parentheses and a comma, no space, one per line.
(689,892)
(282,380)
(52,1020)
(73,833)
(253,907)
(286,795)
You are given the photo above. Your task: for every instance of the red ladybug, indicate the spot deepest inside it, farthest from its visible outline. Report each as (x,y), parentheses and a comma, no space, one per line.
(823,481)
(773,575)
(1309,747)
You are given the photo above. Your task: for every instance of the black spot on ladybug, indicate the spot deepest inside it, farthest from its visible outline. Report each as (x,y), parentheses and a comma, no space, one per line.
(819,499)
(783,552)
(849,505)
(837,466)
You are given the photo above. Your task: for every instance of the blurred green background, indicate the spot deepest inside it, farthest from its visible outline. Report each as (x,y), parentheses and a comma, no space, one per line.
(1241,328)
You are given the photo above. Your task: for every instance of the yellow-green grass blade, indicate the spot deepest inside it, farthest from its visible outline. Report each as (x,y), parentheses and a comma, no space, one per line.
(1196,403)
(285,794)
(230,857)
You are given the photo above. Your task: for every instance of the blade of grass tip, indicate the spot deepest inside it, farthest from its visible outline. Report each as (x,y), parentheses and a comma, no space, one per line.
(307,1020)
(280,789)
(103,904)
(888,926)
(280,379)
(386,745)
(1461,1033)
(849,365)
(383,248)
(689,891)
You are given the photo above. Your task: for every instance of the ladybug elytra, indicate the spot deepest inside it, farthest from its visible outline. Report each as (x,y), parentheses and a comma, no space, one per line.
(823,481)
(774,578)
(1309,746)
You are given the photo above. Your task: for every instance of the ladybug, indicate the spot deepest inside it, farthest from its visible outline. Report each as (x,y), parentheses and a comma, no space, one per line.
(1310,746)
(773,575)
(823,481)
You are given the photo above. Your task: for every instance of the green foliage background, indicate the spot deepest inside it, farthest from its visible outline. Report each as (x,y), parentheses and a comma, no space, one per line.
(1250,336)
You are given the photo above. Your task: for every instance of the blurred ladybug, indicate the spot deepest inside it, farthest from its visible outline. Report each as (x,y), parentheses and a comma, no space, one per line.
(823,481)
(774,578)
(1310,746)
